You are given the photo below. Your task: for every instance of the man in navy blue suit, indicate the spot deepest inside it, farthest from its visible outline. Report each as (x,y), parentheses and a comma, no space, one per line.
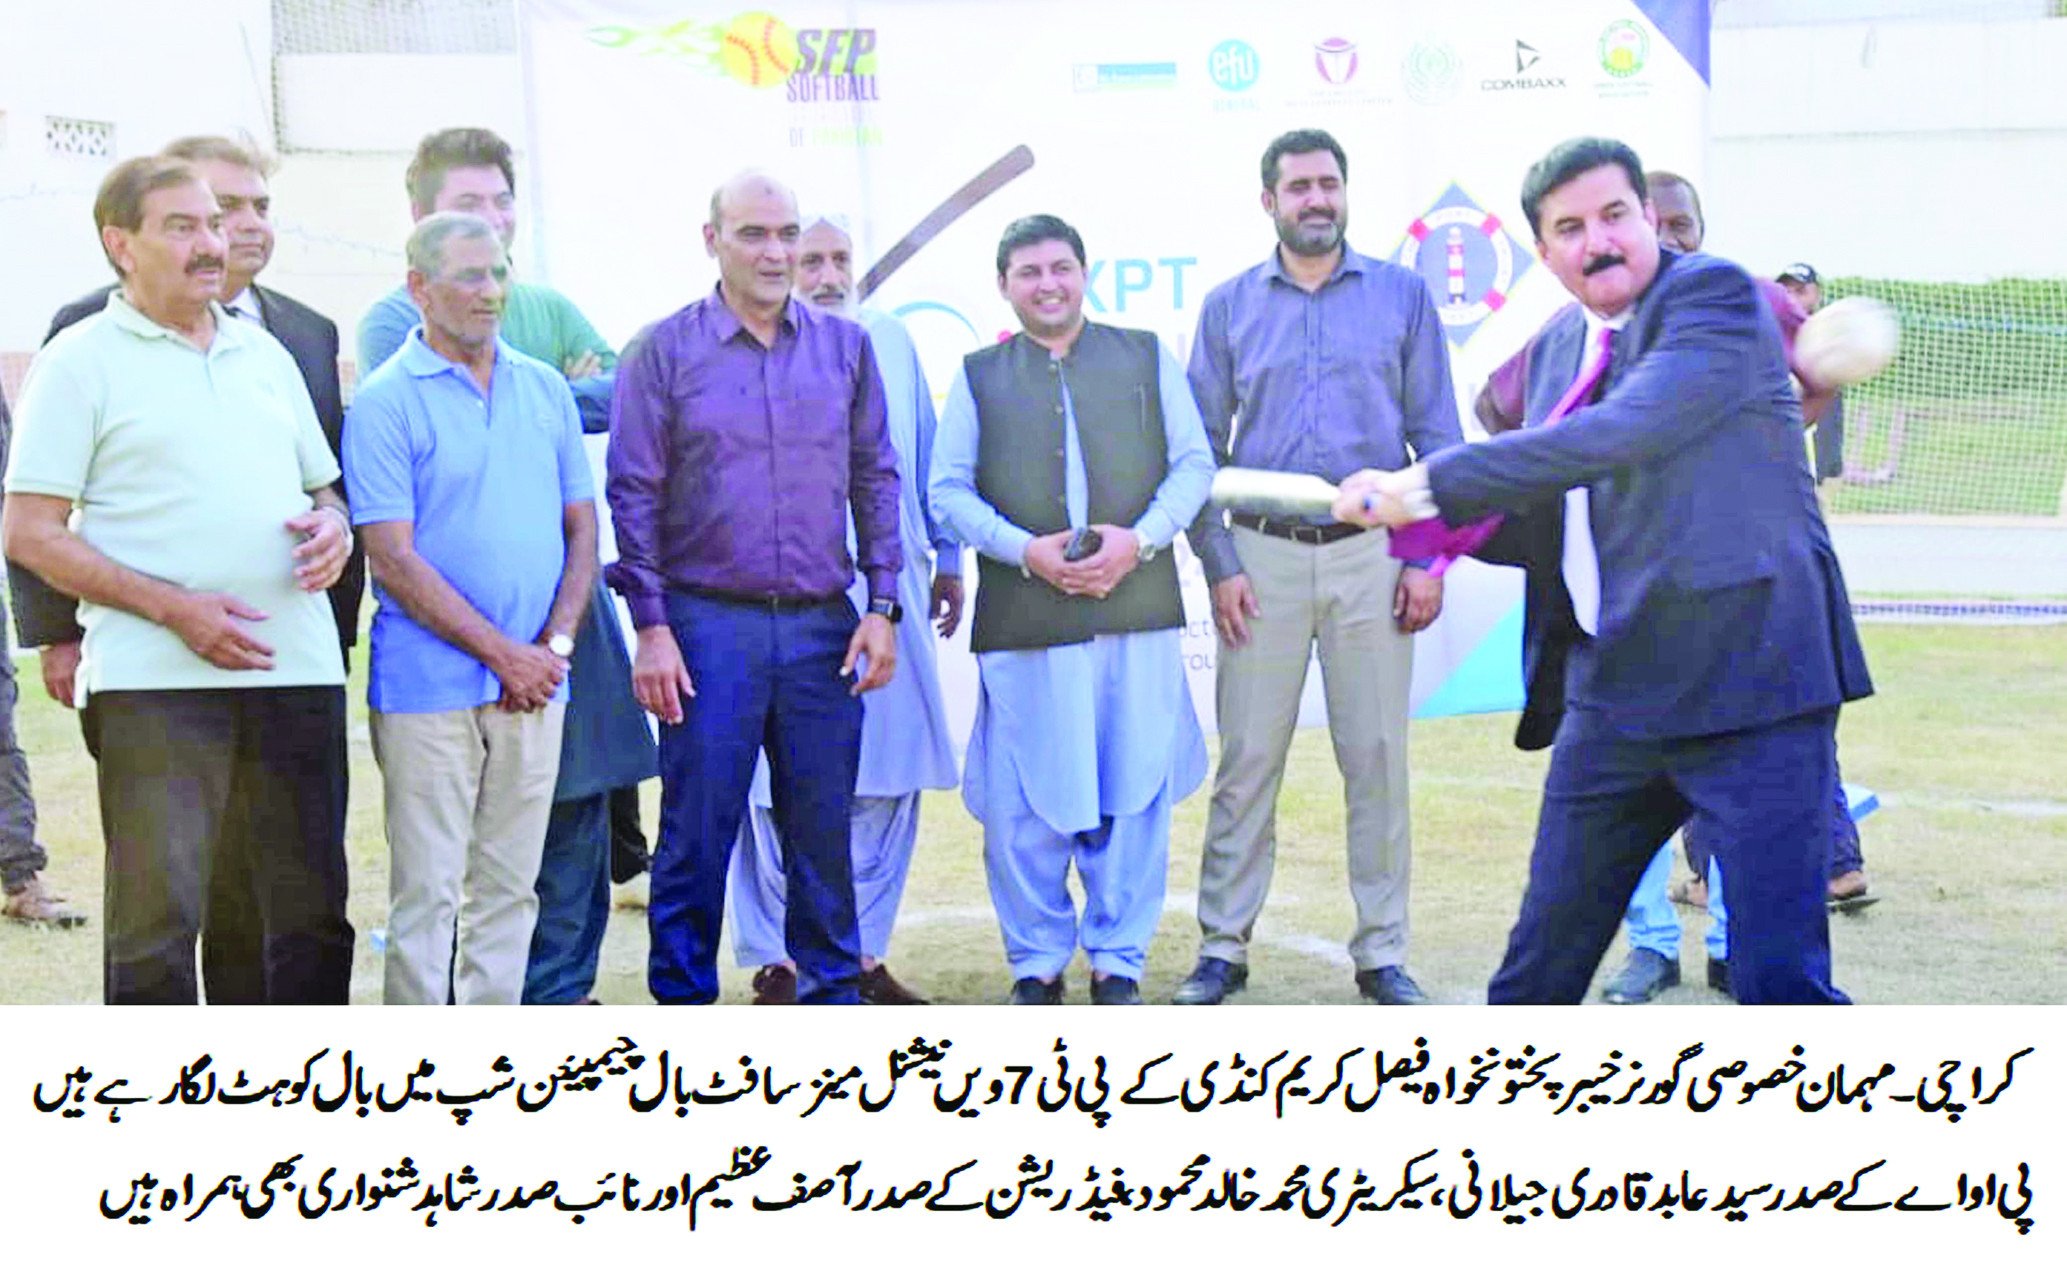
(1704,632)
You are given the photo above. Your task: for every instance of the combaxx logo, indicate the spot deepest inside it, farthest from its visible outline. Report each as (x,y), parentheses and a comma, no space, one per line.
(1529,73)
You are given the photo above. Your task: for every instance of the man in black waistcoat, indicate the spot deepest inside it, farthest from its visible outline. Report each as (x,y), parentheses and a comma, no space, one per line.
(1070,457)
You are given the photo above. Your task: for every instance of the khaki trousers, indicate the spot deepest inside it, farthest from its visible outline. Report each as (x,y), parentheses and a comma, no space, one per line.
(1338,596)
(469,793)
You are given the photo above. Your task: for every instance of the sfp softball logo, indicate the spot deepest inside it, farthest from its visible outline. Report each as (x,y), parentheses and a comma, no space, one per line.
(760,51)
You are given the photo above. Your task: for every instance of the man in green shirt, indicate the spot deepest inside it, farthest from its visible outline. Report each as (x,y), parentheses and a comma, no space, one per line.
(471,171)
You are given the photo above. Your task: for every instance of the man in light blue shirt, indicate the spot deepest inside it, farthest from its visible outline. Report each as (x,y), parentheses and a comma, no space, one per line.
(606,745)
(479,517)
(1070,457)
(1313,359)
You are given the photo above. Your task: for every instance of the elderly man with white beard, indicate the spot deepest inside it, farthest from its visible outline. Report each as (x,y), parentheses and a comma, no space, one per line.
(905,748)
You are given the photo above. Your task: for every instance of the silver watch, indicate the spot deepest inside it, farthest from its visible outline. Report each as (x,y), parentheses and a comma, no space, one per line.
(560,646)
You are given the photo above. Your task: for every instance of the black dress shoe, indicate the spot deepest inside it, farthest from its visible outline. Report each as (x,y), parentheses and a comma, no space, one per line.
(1029,991)
(1115,990)
(1644,976)
(1212,981)
(1388,985)
(1719,977)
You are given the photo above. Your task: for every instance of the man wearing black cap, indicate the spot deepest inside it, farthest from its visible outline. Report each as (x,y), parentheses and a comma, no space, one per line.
(1806,288)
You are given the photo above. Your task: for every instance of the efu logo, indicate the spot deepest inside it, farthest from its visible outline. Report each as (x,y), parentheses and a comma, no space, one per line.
(1234,66)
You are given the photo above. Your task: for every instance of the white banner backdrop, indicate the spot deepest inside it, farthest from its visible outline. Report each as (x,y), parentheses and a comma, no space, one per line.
(1145,122)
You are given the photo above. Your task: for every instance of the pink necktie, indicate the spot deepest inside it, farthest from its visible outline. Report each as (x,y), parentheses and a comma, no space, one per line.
(1435,540)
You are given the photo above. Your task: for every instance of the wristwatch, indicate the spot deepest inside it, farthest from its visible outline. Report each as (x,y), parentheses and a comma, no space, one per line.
(1149,550)
(887,608)
(560,646)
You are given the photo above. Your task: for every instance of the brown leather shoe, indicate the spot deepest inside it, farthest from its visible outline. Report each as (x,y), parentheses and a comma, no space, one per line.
(879,987)
(33,903)
(775,984)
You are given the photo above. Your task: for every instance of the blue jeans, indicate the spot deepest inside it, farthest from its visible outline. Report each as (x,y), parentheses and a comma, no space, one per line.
(1654,924)
(765,677)
(573,902)
(21,857)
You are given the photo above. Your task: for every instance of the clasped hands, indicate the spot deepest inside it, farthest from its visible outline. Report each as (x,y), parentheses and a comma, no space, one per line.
(1376,499)
(1095,575)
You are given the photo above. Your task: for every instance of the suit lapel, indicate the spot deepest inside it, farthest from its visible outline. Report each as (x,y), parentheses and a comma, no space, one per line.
(1556,363)
(1637,335)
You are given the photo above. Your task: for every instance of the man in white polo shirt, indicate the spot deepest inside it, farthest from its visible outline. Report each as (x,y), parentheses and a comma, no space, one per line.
(208,528)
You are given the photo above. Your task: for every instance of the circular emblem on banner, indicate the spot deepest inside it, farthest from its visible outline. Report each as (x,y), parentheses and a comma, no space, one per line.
(1233,64)
(1624,47)
(1468,259)
(1432,71)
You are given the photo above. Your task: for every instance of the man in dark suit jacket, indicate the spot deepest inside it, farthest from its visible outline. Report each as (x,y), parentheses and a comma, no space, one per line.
(44,617)
(1706,634)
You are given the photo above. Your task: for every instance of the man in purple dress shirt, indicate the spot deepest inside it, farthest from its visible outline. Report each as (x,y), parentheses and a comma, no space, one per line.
(743,428)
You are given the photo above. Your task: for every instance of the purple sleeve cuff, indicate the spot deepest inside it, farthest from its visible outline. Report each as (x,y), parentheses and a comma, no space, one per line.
(882,583)
(1436,545)
(646,610)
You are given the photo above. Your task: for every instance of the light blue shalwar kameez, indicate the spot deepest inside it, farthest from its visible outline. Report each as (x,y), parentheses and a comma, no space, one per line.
(905,744)
(1079,751)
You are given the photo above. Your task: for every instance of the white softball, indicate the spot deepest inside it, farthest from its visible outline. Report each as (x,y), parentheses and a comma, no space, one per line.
(1848,342)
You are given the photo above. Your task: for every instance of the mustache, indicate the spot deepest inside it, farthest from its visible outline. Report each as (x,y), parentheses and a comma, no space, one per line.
(199,264)
(1604,262)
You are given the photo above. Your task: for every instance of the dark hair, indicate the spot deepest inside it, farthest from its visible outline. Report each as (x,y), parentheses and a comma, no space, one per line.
(1300,142)
(1569,159)
(244,155)
(449,149)
(120,201)
(1038,229)
(1666,178)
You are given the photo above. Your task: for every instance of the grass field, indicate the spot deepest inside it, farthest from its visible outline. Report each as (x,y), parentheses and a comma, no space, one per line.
(2000,455)
(1967,742)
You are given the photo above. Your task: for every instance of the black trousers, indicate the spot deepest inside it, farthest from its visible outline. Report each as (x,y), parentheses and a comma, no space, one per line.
(224,814)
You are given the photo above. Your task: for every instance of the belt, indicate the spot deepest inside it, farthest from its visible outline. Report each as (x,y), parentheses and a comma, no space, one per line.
(1310,534)
(773,603)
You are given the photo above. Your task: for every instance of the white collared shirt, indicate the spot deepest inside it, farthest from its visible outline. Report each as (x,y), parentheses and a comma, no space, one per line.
(245,307)
(1582,558)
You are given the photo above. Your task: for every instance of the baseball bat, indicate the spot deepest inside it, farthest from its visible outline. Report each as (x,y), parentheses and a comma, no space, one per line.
(966,197)
(1273,494)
